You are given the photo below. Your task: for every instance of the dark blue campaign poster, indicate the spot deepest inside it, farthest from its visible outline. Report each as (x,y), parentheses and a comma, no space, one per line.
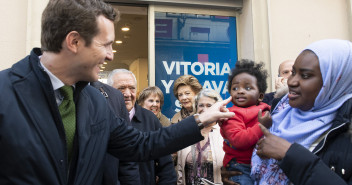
(204,46)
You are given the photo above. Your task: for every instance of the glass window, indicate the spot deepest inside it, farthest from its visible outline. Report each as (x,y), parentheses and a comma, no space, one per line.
(201,45)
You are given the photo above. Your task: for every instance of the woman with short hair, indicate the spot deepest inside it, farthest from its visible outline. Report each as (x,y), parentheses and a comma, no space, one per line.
(152,98)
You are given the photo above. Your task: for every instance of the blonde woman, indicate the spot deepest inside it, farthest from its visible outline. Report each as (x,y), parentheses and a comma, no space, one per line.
(185,88)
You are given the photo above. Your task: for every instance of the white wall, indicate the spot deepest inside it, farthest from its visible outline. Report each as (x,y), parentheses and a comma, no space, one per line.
(293,24)
(13,31)
(245,32)
(139,69)
(20,29)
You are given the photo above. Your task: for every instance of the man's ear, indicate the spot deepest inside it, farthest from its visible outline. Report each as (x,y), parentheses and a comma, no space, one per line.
(73,40)
(261,97)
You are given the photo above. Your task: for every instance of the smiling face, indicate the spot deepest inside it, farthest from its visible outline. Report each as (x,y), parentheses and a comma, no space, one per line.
(94,55)
(152,103)
(305,82)
(127,85)
(185,95)
(244,90)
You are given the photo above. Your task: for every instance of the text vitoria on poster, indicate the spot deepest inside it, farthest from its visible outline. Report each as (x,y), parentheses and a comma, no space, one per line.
(200,70)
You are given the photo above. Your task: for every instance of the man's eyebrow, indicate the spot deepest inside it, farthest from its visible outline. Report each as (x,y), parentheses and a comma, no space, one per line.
(110,42)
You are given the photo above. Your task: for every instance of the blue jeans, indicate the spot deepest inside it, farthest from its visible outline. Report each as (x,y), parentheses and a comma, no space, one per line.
(245,178)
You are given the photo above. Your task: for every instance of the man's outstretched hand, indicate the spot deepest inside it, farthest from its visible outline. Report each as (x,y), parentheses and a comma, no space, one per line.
(217,112)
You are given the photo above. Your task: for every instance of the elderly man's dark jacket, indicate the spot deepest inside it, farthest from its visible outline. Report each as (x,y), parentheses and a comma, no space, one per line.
(32,136)
(163,167)
(117,172)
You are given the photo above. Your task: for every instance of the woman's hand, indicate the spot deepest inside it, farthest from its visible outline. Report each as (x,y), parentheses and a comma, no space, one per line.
(271,146)
(225,175)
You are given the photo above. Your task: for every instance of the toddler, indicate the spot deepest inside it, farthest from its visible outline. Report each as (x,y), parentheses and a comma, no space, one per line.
(246,85)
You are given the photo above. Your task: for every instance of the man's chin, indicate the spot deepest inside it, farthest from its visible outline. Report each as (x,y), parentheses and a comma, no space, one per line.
(93,78)
(129,106)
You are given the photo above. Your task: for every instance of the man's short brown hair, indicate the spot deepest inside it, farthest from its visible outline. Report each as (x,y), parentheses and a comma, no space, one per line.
(60,17)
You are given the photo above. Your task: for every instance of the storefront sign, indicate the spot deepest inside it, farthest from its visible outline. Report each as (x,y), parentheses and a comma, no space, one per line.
(204,47)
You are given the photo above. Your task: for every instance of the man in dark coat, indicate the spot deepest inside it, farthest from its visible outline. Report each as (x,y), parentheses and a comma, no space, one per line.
(161,169)
(77,37)
(117,172)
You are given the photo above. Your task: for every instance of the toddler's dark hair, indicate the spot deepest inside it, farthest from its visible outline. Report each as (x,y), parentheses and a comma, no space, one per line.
(250,67)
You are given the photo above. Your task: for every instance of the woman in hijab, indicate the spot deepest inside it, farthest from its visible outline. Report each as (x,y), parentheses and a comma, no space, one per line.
(309,141)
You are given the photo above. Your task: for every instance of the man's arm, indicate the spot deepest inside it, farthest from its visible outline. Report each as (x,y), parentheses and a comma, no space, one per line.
(128,143)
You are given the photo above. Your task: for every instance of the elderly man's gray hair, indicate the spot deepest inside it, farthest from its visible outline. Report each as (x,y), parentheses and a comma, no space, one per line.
(118,71)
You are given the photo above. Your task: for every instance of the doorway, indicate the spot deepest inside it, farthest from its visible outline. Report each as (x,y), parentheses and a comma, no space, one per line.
(131,44)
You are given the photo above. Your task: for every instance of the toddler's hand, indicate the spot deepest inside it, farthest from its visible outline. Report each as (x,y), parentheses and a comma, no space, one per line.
(265,119)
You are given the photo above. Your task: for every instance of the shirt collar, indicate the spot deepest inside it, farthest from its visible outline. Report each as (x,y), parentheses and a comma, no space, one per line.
(131,113)
(56,83)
